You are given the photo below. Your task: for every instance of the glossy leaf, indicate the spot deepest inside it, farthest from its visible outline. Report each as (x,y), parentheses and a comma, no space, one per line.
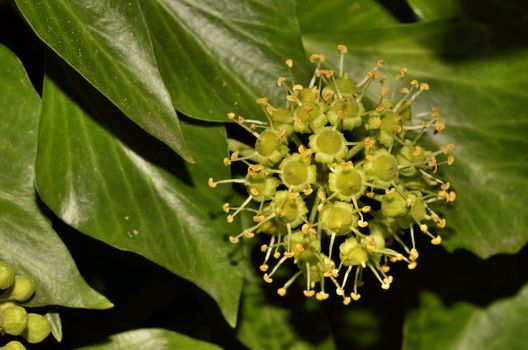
(27,240)
(317,16)
(211,56)
(432,9)
(151,338)
(109,43)
(501,325)
(481,94)
(107,178)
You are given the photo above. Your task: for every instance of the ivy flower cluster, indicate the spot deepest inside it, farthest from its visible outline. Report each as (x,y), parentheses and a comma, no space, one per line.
(337,188)
(14,319)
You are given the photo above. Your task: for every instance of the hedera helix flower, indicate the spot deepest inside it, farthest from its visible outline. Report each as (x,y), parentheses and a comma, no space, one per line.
(338,188)
(14,319)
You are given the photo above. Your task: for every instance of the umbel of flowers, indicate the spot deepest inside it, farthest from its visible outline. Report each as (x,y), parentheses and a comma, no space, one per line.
(339,189)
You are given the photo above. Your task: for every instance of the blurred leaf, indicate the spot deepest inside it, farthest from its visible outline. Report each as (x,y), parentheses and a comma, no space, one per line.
(55,325)
(502,325)
(270,322)
(434,9)
(212,57)
(317,16)
(481,93)
(28,241)
(110,180)
(158,339)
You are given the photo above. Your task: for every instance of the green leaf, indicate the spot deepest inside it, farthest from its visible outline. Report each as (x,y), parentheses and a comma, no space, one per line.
(317,16)
(151,338)
(432,9)
(28,241)
(501,325)
(107,178)
(481,93)
(211,57)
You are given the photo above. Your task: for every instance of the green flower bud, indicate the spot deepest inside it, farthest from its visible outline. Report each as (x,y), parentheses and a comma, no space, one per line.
(289,208)
(282,119)
(38,328)
(309,117)
(21,290)
(345,86)
(270,149)
(13,345)
(338,218)
(317,267)
(383,166)
(347,110)
(7,275)
(390,122)
(305,245)
(297,173)
(266,186)
(329,145)
(393,204)
(417,212)
(353,253)
(347,182)
(14,320)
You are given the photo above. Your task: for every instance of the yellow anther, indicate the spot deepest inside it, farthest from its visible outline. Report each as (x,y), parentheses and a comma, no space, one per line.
(225,207)
(417,150)
(439,126)
(233,239)
(276,255)
(380,63)
(362,223)
(390,191)
(321,195)
(442,223)
(254,192)
(258,218)
(289,254)
(452,196)
(372,74)
(308,293)
(409,202)
(263,248)
(355,296)
(366,208)
(269,109)
(423,228)
(253,127)
(313,231)
(437,240)
(305,228)
(234,155)
(415,83)
(293,195)
(424,86)
(404,90)
(211,183)
(316,58)
(255,169)
(328,261)
(320,207)
(370,194)
(281,134)
(308,191)
(280,81)
(281,291)
(291,98)
(299,248)
(412,265)
(384,91)
(369,142)
(414,253)
(229,219)
(227,161)
(450,160)
(297,87)
(231,115)
(445,186)
(346,300)
(321,296)
(342,48)
(264,267)
(267,278)
(305,152)
(278,211)
(385,268)
(289,62)
(447,148)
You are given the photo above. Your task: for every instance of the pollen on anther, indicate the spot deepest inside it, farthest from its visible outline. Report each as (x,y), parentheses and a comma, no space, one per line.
(225,207)
(281,291)
(231,115)
(289,62)
(233,239)
(267,278)
(437,240)
(264,267)
(423,228)
(342,48)
(211,183)
(254,192)
(229,218)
